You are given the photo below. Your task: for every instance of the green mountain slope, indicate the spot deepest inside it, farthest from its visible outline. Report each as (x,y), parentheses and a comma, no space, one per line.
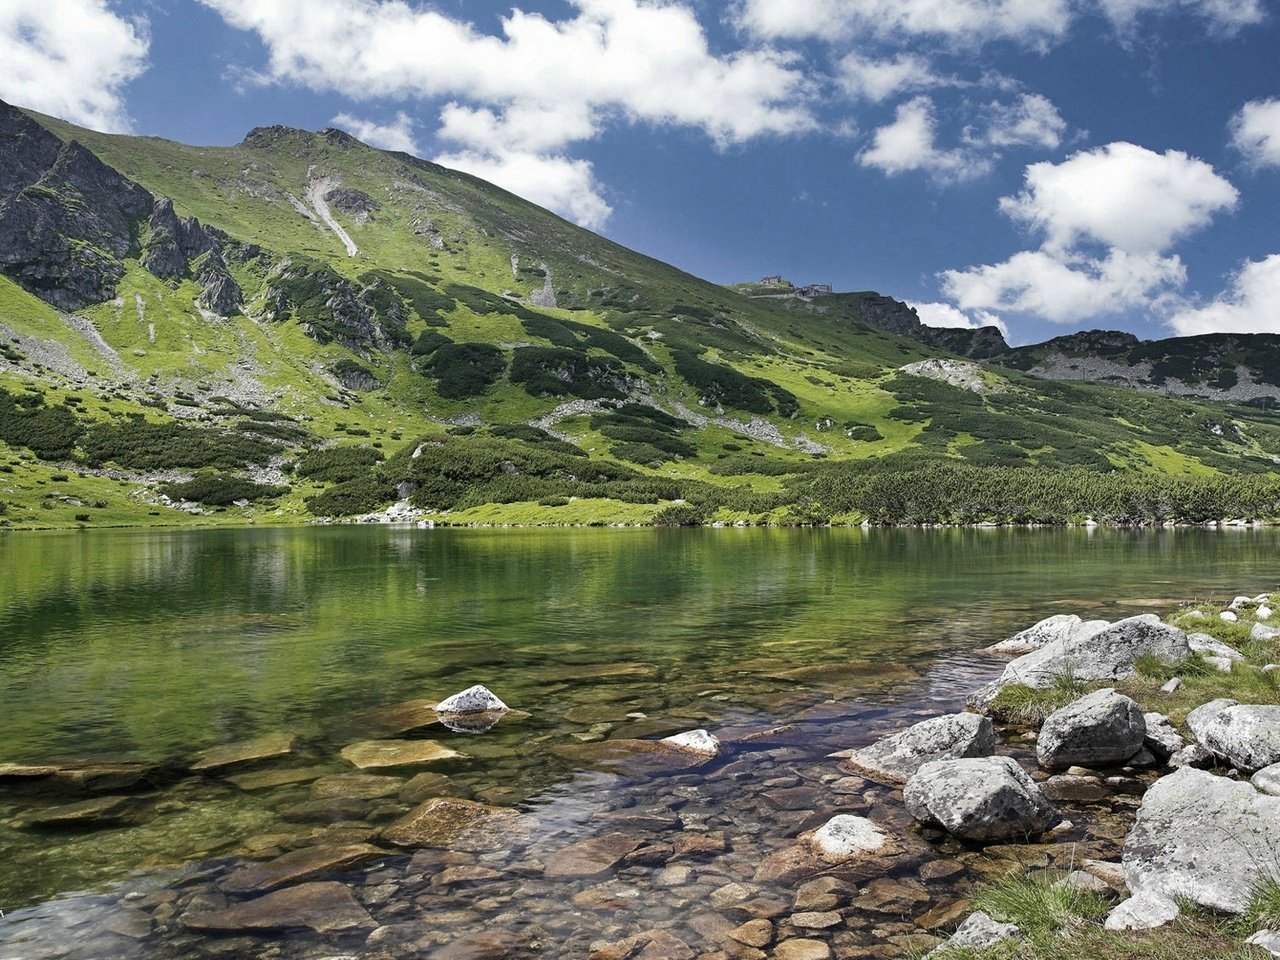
(301,326)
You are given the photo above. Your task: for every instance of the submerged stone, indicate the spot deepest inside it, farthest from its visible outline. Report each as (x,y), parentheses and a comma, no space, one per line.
(378,754)
(459,824)
(593,857)
(268,747)
(323,907)
(305,864)
(98,812)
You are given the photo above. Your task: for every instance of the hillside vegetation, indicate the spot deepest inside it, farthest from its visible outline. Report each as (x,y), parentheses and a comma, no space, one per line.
(302,326)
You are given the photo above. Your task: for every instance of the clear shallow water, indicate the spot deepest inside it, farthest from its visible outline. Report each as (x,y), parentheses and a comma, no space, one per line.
(155,645)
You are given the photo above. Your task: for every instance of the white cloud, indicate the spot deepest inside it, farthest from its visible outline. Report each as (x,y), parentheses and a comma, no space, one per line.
(1066,289)
(1255,132)
(945,315)
(397,135)
(1223,16)
(1251,304)
(1107,217)
(542,84)
(1122,196)
(1035,23)
(71,59)
(909,144)
(867,78)
(557,182)
(1030,121)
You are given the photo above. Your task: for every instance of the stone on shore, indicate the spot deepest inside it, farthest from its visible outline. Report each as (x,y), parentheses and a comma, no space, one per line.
(978,932)
(1062,626)
(1102,728)
(1206,645)
(1261,633)
(898,757)
(1246,736)
(299,865)
(1268,780)
(981,799)
(383,754)
(1109,654)
(233,755)
(1203,837)
(477,699)
(458,824)
(1162,739)
(1143,911)
(323,907)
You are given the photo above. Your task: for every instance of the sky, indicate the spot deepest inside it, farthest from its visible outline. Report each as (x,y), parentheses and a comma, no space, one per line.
(1044,165)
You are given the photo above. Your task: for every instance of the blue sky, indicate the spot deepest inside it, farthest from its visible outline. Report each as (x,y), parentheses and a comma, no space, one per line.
(1051,165)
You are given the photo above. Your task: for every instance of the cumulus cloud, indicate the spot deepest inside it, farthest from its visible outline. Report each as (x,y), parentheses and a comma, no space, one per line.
(1255,132)
(1120,195)
(539,86)
(1108,217)
(867,78)
(70,58)
(556,182)
(397,135)
(945,315)
(1035,23)
(909,144)
(1030,121)
(1250,304)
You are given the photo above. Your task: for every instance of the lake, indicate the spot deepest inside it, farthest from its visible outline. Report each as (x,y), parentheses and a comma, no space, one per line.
(156,647)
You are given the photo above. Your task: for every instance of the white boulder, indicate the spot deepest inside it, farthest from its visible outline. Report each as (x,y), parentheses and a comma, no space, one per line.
(477,699)
(979,798)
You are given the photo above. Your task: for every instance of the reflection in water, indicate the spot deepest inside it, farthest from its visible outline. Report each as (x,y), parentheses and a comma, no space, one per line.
(155,645)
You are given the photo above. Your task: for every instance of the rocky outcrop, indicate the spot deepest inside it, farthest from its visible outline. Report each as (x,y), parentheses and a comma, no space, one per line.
(1205,838)
(897,758)
(1107,655)
(983,799)
(1099,729)
(331,308)
(67,220)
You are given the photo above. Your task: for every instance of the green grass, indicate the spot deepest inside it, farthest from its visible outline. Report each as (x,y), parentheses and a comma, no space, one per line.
(1058,923)
(1029,706)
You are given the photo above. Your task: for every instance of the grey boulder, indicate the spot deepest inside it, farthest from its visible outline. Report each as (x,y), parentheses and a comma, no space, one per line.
(1162,739)
(979,798)
(1143,911)
(1062,626)
(1205,838)
(1109,654)
(1205,645)
(1246,736)
(897,758)
(1101,728)
(477,699)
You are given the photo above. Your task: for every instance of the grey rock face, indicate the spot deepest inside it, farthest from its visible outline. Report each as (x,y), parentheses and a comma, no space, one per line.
(67,220)
(1192,755)
(898,757)
(1246,736)
(1109,654)
(981,798)
(1198,719)
(1203,837)
(1268,780)
(1066,626)
(1101,728)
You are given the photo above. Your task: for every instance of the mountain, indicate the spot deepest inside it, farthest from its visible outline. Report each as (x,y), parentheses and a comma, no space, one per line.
(1224,366)
(303,326)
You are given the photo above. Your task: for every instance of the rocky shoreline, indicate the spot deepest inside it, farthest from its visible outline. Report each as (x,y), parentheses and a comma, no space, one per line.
(744,842)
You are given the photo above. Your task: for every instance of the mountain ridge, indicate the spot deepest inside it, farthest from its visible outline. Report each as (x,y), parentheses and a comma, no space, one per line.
(241,313)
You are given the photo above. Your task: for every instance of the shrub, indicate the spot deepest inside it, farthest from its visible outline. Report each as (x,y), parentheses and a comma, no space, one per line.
(465,369)
(364,494)
(723,385)
(220,489)
(142,445)
(680,515)
(51,433)
(558,372)
(337,464)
